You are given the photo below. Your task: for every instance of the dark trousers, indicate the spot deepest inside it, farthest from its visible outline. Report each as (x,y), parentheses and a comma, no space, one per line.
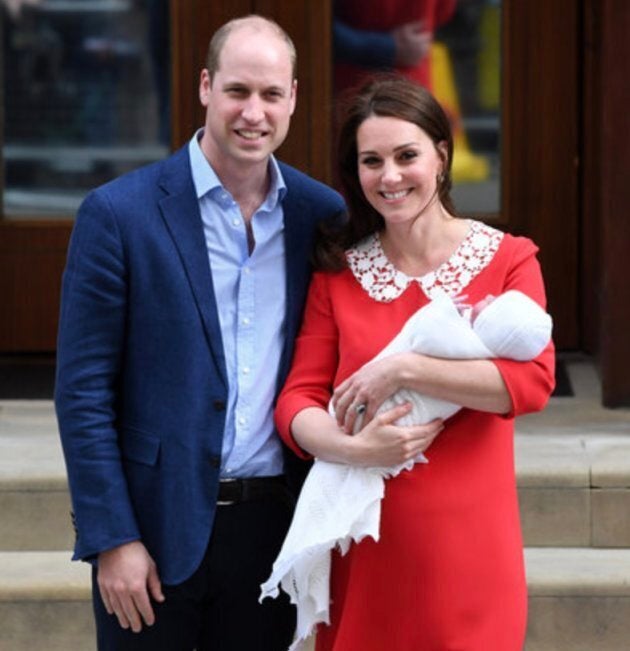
(217,608)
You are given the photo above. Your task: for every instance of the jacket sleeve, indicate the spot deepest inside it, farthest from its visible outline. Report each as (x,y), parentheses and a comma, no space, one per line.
(529,383)
(315,361)
(89,355)
(370,49)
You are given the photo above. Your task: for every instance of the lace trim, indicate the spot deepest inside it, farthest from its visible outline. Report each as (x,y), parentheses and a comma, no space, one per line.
(384,283)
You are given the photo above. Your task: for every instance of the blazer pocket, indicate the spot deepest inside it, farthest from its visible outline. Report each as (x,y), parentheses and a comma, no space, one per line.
(140,447)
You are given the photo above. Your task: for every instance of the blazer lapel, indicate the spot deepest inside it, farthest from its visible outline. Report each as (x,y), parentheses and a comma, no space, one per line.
(180,210)
(297,242)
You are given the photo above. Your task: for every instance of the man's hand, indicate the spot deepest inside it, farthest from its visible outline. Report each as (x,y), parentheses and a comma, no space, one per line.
(127,578)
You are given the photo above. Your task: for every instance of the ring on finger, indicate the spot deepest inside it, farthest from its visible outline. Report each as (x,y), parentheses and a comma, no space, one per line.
(360,408)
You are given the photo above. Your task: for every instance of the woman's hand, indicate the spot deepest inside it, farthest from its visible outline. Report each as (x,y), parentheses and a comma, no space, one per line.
(382,443)
(371,385)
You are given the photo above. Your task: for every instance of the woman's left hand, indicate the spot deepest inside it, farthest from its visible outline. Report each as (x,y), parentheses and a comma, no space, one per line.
(371,385)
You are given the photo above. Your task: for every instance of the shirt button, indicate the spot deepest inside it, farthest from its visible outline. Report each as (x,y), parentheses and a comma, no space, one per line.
(219,405)
(236,222)
(247,270)
(245,321)
(241,421)
(246,369)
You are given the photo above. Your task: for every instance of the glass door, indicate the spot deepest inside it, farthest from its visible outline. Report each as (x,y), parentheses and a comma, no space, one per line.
(86,98)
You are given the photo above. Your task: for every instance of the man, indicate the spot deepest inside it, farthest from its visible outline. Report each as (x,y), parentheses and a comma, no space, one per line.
(182,296)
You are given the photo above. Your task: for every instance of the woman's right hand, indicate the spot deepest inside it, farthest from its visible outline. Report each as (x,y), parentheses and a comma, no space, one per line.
(382,443)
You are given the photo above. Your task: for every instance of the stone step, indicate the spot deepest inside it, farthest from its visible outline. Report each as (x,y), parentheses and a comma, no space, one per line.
(574,484)
(45,602)
(573,467)
(574,489)
(579,599)
(34,500)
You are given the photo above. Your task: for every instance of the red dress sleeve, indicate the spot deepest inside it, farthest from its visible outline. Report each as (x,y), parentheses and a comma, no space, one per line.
(315,361)
(529,383)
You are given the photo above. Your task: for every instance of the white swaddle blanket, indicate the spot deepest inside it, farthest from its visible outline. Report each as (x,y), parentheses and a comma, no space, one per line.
(341,503)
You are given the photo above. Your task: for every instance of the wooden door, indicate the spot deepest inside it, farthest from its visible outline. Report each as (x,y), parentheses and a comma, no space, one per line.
(541,146)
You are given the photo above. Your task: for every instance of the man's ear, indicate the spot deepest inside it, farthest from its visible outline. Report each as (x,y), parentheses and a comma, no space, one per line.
(293,98)
(205,83)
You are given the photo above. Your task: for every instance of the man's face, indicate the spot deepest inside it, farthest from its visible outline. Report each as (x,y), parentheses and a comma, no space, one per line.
(250,100)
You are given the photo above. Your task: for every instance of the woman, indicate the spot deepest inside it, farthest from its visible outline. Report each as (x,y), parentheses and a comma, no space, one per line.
(447,572)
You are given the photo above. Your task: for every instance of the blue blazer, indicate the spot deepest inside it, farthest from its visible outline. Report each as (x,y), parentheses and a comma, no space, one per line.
(141,380)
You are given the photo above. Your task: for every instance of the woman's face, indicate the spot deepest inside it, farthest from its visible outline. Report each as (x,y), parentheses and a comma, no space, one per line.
(398,168)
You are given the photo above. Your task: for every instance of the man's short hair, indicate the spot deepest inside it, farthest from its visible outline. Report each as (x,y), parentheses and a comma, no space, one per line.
(258,23)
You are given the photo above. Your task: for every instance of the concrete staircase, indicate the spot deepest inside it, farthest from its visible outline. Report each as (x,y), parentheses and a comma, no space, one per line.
(34,498)
(44,598)
(573,464)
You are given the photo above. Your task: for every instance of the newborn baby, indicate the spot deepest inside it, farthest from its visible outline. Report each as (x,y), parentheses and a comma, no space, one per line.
(511,325)
(340,503)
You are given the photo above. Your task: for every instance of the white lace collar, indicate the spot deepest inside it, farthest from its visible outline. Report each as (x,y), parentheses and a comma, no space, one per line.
(384,283)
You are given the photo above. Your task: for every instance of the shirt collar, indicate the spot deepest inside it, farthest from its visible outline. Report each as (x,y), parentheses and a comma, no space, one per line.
(206,180)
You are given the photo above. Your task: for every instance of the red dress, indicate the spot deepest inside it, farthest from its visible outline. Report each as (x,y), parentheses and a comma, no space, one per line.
(448,571)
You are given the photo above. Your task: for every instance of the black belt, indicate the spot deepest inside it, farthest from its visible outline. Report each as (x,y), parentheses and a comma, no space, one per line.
(233,491)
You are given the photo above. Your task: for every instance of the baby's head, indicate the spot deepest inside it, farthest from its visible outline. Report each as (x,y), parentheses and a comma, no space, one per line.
(513,326)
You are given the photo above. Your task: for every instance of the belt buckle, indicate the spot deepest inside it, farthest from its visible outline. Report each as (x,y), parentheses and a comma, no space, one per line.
(227,480)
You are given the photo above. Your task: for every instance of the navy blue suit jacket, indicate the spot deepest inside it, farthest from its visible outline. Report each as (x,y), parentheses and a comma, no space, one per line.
(141,379)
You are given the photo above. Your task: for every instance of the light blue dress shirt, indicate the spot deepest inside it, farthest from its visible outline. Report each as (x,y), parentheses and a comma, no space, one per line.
(251,298)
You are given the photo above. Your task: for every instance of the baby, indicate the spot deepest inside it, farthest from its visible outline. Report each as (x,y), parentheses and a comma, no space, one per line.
(511,325)
(341,503)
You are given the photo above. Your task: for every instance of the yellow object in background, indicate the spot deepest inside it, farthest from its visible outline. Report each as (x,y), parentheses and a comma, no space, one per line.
(467,166)
(489,89)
